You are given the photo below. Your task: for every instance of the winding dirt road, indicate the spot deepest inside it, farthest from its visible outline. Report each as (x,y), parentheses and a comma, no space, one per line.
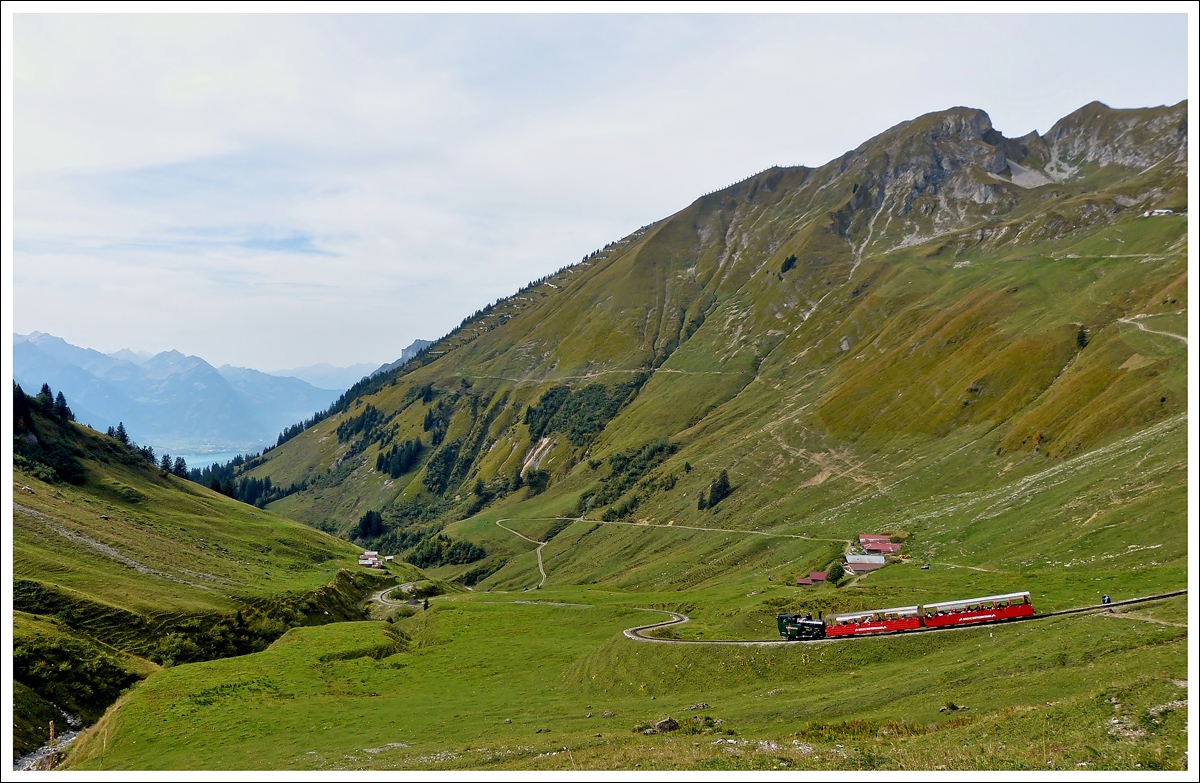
(540,544)
(1135,321)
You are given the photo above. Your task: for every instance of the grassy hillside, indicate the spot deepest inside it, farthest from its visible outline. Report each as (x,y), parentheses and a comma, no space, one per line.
(829,336)
(485,682)
(976,345)
(127,568)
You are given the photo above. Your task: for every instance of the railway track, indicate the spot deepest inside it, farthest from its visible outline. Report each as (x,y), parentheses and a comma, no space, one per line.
(638,634)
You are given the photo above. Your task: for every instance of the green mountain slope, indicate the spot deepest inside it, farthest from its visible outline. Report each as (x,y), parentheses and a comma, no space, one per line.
(125,568)
(940,297)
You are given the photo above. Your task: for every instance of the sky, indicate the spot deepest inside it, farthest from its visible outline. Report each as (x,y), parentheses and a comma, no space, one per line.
(277,190)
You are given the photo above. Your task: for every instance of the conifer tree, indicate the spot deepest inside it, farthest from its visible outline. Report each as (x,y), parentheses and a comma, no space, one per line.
(121,434)
(166,463)
(180,468)
(61,410)
(22,415)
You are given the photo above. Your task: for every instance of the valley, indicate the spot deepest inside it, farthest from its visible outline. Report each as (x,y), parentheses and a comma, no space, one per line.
(971,345)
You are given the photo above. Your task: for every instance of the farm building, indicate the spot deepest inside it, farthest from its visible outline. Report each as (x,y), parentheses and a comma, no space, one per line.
(860,564)
(879,548)
(370,559)
(873,538)
(818,576)
(800,580)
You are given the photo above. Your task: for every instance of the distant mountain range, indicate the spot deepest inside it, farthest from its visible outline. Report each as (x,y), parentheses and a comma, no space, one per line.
(326,376)
(176,402)
(405,355)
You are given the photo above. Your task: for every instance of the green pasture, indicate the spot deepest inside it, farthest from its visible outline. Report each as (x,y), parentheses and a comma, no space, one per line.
(483,681)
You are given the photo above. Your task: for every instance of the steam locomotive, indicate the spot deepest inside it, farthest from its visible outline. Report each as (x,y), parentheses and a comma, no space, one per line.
(971,611)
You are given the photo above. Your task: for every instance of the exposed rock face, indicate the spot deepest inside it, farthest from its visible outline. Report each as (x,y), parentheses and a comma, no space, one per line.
(948,170)
(1128,137)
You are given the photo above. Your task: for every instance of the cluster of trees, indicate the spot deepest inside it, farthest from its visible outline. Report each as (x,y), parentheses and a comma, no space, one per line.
(370,419)
(481,572)
(424,547)
(229,481)
(52,405)
(625,470)
(443,550)
(120,435)
(440,467)
(579,414)
(177,467)
(400,459)
(537,480)
(239,464)
(49,456)
(437,419)
(294,430)
(370,525)
(45,401)
(717,491)
(622,509)
(423,393)
(255,491)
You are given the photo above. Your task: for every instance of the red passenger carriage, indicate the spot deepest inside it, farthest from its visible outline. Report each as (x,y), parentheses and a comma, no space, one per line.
(991,609)
(905,618)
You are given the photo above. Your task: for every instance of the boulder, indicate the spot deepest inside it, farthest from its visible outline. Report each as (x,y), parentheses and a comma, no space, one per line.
(665,725)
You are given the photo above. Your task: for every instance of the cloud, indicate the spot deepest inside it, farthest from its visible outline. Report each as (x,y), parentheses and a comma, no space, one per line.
(271,190)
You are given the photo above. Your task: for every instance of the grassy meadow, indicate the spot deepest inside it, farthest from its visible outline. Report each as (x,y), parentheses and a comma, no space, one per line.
(496,682)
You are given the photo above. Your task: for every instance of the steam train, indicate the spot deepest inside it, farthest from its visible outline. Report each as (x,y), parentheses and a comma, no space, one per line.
(971,611)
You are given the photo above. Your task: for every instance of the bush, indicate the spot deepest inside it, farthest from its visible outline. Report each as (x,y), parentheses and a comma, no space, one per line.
(537,480)
(719,490)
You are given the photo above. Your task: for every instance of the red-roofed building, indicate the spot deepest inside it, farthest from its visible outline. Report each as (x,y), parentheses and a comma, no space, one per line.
(859,564)
(864,538)
(800,580)
(819,576)
(878,548)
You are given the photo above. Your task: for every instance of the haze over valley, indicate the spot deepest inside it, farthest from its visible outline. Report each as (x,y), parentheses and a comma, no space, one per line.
(182,404)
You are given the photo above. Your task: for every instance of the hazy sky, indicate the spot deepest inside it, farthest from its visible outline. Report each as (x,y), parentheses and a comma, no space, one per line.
(280,190)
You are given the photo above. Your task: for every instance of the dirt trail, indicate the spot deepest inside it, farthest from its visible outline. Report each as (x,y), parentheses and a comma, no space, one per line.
(382,595)
(541,544)
(1135,321)
(57,525)
(720,530)
(541,566)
